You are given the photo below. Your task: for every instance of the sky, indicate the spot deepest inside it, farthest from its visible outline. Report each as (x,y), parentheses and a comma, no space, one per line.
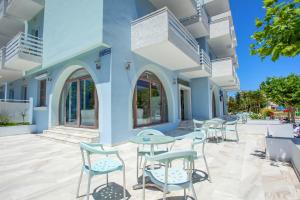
(252,71)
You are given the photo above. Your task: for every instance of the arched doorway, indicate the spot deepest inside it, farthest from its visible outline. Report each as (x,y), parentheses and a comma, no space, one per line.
(149,102)
(78,101)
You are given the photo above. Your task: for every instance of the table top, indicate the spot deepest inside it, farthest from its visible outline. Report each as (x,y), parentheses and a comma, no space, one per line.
(152,139)
(192,135)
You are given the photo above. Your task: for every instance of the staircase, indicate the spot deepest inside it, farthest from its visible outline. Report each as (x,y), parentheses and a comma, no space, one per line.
(187,125)
(71,135)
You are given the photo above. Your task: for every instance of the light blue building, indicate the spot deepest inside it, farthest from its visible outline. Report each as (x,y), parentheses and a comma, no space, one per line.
(114,67)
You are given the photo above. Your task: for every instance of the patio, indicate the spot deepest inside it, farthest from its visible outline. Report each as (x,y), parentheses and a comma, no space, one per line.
(32,167)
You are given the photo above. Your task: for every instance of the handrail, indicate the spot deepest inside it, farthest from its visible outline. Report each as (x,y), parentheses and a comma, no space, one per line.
(175,25)
(24,43)
(222,59)
(205,59)
(14,101)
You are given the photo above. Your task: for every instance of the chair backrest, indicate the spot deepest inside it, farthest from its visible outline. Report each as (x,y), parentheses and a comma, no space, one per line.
(87,149)
(165,158)
(150,132)
(197,124)
(212,124)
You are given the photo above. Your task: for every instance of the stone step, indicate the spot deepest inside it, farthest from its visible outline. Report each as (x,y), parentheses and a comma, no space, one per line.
(186,125)
(71,135)
(75,130)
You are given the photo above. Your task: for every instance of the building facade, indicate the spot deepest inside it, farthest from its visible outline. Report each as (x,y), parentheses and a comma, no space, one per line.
(118,66)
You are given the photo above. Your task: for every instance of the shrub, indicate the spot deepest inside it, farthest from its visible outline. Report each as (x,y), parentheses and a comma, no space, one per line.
(267,112)
(256,116)
(4,120)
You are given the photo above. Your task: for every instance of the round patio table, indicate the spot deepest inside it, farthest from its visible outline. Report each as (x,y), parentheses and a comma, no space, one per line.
(151,140)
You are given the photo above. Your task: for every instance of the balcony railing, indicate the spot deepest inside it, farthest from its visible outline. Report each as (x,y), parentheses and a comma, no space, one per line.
(205,61)
(24,44)
(2,7)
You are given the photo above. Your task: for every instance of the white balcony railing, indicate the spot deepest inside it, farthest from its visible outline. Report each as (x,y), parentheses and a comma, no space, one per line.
(205,61)
(24,44)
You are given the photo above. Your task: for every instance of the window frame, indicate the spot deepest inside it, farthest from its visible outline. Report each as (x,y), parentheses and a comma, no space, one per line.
(42,99)
(163,101)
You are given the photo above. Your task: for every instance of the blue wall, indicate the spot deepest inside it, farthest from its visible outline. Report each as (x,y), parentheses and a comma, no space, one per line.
(72,27)
(201,100)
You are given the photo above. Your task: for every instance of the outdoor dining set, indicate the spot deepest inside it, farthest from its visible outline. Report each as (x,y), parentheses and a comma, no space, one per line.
(157,160)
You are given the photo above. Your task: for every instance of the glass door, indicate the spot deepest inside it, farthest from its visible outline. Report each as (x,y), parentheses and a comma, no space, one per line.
(88,108)
(71,106)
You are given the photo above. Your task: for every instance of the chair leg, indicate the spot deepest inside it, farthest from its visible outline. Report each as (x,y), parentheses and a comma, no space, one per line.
(237,136)
(124,184)
(143,186)
(184,194)
(206,165)
(137,168)
(193,190)
(88,188)
(79,182)
(106,180)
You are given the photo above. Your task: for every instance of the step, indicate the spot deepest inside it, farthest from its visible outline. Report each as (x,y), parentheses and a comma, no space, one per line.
(59,138)
(75,130)
(67,138)
(71,133)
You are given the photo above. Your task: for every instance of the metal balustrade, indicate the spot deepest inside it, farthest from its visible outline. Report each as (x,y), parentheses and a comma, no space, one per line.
(2,57)
(205,60)
(174,25)
(24,44)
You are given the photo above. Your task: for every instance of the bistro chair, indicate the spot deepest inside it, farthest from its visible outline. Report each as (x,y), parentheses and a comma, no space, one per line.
(102,166)
(200,139)
(213,128)
(171,178)
(143,150)
(231,127)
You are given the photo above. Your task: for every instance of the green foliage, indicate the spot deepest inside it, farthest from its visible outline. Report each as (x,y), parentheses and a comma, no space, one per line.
(247,101)
(278,33)
(256,116)
(284,91)
(4,120)
(14,124)
(267,112)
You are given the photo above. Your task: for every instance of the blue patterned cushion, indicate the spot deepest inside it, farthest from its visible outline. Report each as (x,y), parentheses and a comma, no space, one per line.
(105,165)
(176,176)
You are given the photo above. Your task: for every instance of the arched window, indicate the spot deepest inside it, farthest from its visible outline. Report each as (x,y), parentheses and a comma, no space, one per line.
(149,102)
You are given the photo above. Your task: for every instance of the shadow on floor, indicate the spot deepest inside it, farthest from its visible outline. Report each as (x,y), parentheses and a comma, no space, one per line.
(111,192)
(259,154)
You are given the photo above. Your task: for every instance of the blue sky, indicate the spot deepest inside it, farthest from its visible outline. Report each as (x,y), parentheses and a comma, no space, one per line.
(252,70)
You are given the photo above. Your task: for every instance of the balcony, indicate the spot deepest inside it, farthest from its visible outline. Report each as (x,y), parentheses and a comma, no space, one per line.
(23,9)
(235,86)
(223,72)
(23,52)
(198,24)
(180,9)
(204,70)
(8,25)
(161,38)
(216,7)
(222,35)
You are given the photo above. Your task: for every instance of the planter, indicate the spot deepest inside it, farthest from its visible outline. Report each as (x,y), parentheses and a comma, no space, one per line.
(17,130)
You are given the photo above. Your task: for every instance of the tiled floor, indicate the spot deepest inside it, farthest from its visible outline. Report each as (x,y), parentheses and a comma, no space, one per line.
(35,168)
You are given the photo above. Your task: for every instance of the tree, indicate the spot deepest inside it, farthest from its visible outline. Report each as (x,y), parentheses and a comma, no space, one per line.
(247,101)
(278,33)
(284,91)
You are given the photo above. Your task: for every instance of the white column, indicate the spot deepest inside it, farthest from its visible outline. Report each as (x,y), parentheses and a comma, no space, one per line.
(26,27)
(5,91)
(30,111)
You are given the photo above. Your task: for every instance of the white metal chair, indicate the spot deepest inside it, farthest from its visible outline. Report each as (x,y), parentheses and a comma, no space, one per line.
(143,150)
(231,127)
(171,178)
(102,166)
